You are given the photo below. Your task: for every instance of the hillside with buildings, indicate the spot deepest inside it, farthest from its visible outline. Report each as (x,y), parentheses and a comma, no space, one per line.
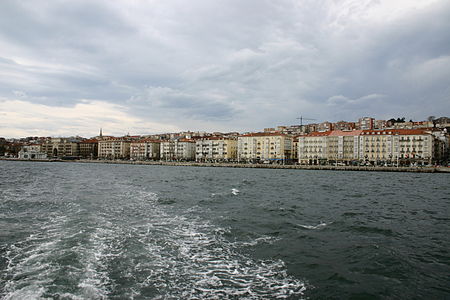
(369,142)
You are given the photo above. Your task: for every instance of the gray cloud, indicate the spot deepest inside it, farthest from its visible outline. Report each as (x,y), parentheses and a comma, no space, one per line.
(230,65)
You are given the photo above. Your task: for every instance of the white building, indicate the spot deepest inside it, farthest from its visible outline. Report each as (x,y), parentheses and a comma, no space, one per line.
(114,148)
(182,149)
(32,152)
(216,149)
(264,146)
(371,146)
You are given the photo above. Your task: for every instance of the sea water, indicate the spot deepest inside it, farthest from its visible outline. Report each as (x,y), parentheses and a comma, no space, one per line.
(97,231)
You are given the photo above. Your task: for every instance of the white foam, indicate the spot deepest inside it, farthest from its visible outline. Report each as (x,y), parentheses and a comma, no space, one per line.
(174,256)
(321,225)
(189,258)
(29,266)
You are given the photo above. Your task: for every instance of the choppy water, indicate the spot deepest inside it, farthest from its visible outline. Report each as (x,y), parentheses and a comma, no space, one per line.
(93,231)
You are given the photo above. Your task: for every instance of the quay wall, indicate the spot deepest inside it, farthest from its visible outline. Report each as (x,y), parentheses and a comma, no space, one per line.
(263,166)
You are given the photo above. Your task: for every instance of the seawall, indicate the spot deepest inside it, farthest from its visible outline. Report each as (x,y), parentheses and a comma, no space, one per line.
(262,166)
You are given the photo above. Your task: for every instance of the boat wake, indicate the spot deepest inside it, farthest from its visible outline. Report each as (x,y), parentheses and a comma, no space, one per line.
(139,250)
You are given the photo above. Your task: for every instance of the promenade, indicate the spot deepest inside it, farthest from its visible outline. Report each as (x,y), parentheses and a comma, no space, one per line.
(247,165)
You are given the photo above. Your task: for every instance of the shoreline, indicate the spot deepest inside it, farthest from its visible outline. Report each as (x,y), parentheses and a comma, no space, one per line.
(260,166)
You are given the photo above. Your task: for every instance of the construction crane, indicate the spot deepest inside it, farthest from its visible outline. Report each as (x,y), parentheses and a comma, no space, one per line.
(302,118)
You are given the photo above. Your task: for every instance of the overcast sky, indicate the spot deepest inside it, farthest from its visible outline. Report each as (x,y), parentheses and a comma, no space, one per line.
(71,67)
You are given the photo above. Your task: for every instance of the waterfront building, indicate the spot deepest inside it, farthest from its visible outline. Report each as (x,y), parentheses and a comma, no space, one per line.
(114,148)
(32,152)
(216,149)
(145,149)
(312,148)
(61,147)
(264,146)
(294,154)
(373,147)
(330,146)
(398,144)
(88,148)
(180,149)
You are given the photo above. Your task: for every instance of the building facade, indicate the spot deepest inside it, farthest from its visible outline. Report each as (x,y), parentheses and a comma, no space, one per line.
(366,123)
(145,149)
(264,146)
(374,147)
(216,149)
(32,152)
(114,148)
(181,149)
(61,147)
(88,148)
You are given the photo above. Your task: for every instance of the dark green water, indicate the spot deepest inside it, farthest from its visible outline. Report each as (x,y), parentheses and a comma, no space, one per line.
(93,231)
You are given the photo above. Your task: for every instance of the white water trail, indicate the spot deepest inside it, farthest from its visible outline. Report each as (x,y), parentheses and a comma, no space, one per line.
(321,225)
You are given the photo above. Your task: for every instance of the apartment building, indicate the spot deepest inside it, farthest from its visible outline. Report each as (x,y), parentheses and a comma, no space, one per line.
(145,149)
(366,123)
(370,146)
(61,147)
(398,144)
(344,125)
(216,149)
(88,148)
(264,146)
(114,148)
(181,149)
(322,147)
(343,146)
(325,126)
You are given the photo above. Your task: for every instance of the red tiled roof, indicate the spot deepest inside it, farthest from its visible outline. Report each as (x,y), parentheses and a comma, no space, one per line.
(345,133)
(147,140)
(216,138)
(186,140)
(395,132)
(263,134)
(319,133)
(89,141)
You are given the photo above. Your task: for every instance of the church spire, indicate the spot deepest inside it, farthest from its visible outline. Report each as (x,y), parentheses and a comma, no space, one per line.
(101,134)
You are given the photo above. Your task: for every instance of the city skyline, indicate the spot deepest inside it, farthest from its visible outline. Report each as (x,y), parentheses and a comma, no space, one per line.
(69,68)
(303,126)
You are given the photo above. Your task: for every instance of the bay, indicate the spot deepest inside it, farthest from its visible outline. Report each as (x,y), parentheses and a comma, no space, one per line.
(95,231)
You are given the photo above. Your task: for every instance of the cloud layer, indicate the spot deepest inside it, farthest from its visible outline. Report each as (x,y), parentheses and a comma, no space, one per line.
(219,65)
